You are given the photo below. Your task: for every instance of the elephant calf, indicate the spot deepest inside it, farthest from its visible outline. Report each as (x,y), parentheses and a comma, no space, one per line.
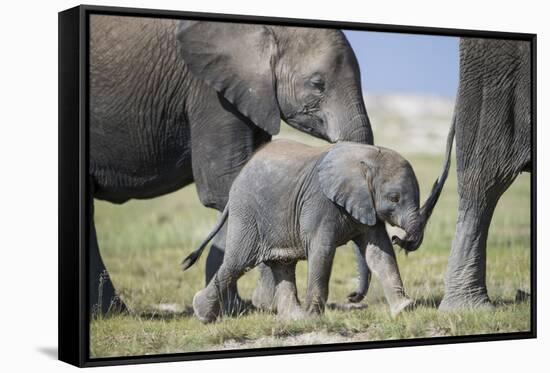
(292,202)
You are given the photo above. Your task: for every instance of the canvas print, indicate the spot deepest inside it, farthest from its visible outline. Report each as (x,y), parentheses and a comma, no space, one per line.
(260,186)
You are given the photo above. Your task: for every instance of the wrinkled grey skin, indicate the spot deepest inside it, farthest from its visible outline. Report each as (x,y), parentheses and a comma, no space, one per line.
(318,198)
(492,125)
(171,105)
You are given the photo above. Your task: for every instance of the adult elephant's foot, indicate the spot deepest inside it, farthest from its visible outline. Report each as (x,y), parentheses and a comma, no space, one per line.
(404,304)
(315,306)
(459,302)
(355,297)
(465,280)
(103,298)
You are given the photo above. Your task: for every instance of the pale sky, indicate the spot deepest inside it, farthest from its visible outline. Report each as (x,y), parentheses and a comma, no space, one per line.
(405,63)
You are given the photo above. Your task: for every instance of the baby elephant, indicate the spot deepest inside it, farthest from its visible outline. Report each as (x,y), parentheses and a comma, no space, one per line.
(292,202)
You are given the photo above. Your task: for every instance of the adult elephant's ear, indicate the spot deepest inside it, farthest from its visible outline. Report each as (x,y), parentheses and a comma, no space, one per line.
(236,60)
(345,175)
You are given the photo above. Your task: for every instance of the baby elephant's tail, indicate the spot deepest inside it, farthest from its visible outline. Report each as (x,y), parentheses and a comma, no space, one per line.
(192,258)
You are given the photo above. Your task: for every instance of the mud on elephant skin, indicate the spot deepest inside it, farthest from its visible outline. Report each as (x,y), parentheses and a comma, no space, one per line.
(175,96)
(323,198)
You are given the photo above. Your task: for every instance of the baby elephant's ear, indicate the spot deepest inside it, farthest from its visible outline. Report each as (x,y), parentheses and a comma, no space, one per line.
(344,174)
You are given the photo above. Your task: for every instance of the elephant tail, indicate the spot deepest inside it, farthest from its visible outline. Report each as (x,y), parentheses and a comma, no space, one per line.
(427,208)
(192,258)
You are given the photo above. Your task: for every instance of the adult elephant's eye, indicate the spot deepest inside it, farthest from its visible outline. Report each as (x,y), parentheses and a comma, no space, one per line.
(394,198)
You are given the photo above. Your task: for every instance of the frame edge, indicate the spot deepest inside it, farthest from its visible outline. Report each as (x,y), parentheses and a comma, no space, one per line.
(72,198)
(70,333)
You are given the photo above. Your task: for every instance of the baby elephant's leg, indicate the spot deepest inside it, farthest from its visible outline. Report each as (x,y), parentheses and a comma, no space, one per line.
(208,303)
(286,295)
(264,293)
(220,296)
(319,267)
(364,275)
(381,260)
(214,261)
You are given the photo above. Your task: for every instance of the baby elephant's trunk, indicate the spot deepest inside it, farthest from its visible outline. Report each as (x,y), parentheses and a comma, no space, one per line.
(414,234)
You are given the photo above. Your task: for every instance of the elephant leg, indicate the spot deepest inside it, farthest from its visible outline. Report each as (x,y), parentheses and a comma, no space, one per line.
(215,255)
(102,296)
(319,267)
(286,295)
(465,285)
(213,263)
(364,276)
(220,296)
(381,260)
(264,294)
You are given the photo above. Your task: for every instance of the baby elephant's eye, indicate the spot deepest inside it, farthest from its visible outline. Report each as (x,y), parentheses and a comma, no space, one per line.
(394,198)
(317,82)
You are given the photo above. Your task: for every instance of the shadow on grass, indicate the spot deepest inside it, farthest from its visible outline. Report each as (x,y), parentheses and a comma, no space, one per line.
(165,315)
(428,302)
(521,297)
(346,306)
(244,309)
(434,301)
(149,314)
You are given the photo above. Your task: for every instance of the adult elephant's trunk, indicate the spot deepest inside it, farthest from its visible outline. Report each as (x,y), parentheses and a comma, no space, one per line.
(358,129)
(351,121)
(415,235)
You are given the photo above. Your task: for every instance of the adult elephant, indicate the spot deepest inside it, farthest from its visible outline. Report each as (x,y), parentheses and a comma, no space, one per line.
(174,104)
(492,126)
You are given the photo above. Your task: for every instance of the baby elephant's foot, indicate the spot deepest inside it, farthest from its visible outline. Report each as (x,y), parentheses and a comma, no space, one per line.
(237,306)
(207,310)
(405,304)
(293,315)
(263,297)
(291,311)
(263,300)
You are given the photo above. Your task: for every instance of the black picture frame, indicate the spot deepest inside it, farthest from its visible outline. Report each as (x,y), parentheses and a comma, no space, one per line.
(73,128)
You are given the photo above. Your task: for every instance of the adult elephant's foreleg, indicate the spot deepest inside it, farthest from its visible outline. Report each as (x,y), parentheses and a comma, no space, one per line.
(222,139)
(102,296)
(465,281)
(215,254)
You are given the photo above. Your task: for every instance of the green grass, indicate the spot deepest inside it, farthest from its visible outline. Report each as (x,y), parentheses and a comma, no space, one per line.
(143,243)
